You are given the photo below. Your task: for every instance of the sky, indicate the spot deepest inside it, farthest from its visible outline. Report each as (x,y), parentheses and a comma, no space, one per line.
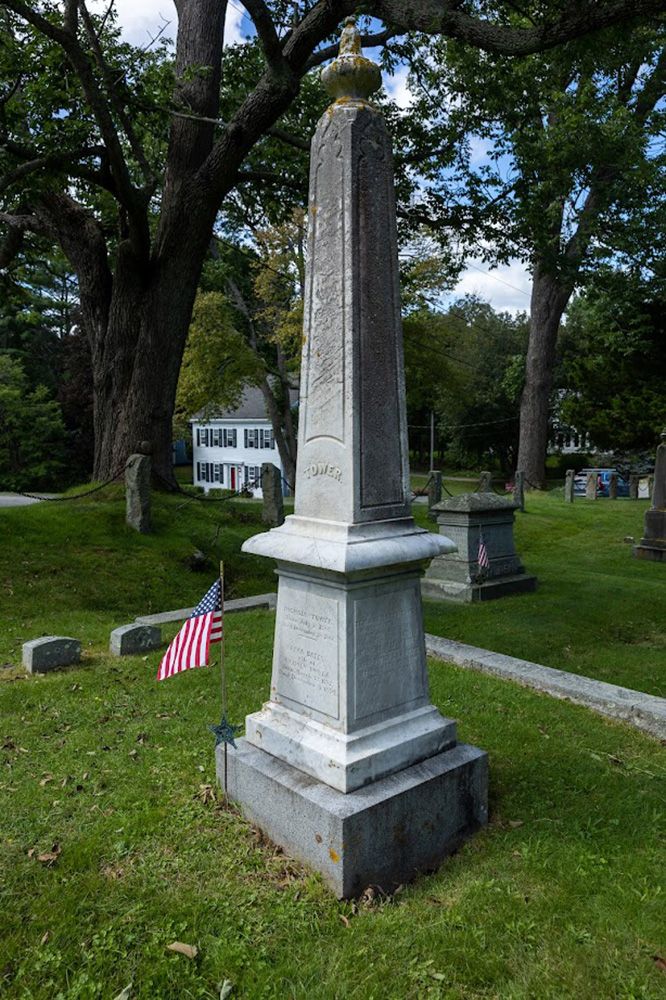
(506,287)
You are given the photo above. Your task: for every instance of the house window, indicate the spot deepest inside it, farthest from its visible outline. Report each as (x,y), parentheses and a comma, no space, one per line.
(266,439)
(253,475)
(251,437)
(229,438)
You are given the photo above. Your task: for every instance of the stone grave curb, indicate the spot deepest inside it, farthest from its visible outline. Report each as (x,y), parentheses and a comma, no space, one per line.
(240,604)
(645,711)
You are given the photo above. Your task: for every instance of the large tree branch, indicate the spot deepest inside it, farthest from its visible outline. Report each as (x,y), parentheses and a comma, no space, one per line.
(268,37)
(133,201)
(112,88)
(66,159)
(11,245)
(446,17)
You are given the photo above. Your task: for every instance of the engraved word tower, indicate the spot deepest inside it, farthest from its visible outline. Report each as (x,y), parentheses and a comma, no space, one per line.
(348,766)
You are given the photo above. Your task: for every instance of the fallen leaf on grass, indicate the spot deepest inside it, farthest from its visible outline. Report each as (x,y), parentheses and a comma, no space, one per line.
(659,962)
(134,753)
(49,857)
(206,793)
(189,950)
(225,989)
(439,976)
(515,823)
(45,780)
(125,994)
(45,937)
(344,919)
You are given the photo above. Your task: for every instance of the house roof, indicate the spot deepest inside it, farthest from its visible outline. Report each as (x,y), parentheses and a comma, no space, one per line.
(251,407)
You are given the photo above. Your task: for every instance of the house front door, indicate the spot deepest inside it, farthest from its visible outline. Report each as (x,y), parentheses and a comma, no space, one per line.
(232,479)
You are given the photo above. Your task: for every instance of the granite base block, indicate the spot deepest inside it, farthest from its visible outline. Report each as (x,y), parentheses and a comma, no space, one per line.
(468,593)
(383,834)
(650,550)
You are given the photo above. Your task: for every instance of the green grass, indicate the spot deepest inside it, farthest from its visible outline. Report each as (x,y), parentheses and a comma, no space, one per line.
(597,610)
(560,897)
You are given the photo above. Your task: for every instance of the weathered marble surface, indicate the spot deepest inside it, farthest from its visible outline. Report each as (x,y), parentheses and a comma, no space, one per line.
(271,488)
(50,652)
(349,713)
(132,640)
(137,493)
(382,835)
(456,576)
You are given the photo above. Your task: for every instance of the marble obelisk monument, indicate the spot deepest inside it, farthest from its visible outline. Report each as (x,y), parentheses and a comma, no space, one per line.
(348,766)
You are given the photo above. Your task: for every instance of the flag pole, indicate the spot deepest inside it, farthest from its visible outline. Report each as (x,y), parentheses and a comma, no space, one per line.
(223,673)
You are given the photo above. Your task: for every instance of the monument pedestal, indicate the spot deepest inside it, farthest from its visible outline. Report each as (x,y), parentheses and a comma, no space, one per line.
(383,834)
(653,544)
(467,520)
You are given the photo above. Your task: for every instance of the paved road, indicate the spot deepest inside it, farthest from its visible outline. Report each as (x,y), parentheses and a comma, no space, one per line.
(16,500)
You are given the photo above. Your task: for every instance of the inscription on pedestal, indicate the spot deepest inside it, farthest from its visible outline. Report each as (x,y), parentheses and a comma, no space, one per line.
(388,652)
(308,654)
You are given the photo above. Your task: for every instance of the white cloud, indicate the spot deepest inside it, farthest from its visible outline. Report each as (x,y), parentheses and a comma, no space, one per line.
(506,287)
(397,89)
(141,20)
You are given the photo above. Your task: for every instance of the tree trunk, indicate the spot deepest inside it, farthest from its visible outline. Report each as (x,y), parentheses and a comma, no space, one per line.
(550,296)
(136,362)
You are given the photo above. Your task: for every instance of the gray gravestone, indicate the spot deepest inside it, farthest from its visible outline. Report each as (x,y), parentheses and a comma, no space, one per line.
(49,652)
(612,486)
(348,766)
(469,520)
(569,477)
(271,489)
(633,486)
(652,545)
(591,486)
(434,489)
(650,487)
(485,482)
(519,489)
(131,640)
(137,493)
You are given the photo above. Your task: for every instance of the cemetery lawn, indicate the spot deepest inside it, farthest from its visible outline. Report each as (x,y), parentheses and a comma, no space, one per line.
(597,611)
(114,844)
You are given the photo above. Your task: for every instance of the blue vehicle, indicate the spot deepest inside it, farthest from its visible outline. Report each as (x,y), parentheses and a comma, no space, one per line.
(603,482)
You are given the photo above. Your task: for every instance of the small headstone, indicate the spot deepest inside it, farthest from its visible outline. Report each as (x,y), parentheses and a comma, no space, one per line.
(485,482)
(569,485)
(131,640)
(271,488)
(612,486)
(652,545)
(434,489)
(49,652)
(519,489)
(633,486)
(591,486)
(137,493)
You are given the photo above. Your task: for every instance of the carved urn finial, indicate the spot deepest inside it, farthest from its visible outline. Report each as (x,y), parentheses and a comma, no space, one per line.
(351,77)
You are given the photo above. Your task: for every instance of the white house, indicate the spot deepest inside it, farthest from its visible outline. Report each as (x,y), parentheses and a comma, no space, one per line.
(228,449)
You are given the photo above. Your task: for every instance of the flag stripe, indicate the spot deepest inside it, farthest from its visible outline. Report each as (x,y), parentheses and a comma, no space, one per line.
(191,646)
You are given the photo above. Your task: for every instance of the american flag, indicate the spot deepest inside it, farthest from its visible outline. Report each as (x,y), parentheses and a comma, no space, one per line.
(482,557)
(191,647)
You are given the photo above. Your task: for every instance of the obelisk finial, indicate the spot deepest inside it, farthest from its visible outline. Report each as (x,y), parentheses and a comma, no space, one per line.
(351,76)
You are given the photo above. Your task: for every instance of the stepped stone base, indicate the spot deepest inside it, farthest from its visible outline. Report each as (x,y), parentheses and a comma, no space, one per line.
(650,548)
(383,834)
(468,593)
